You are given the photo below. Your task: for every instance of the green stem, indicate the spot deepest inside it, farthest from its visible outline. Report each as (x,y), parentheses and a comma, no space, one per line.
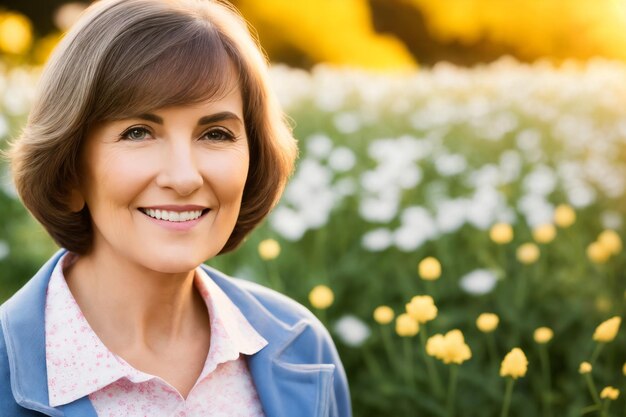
(507,397)
(545,368)
(596,352)
(589,409)
(492,350)
(605,408)
(592,388)
(274,276)
(321,315)
(391,352)
(433,375)
(408,361)
(454,370)
(371,363)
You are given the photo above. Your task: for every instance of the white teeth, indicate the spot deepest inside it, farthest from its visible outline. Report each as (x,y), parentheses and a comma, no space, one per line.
(173,216)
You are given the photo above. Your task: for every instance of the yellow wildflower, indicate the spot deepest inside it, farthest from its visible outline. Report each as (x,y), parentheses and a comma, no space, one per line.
(514,364)
(607,330)
(16,33)
(584,368)
(269,249)
(450,348)
(624,369)
(564,215)
(321,297)
(422,308)
(501,233)
(383,315)
(610,393)
(597,253)
(429,269)
(406,326)
(543,335)
(544,233)
(434,345)
(487,322)
(527,253)
(611,241)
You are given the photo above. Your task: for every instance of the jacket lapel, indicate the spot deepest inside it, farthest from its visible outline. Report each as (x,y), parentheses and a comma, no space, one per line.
(287,385)
(24,334)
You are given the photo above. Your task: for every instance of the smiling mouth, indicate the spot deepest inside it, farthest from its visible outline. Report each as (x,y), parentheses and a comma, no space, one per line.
(174,216)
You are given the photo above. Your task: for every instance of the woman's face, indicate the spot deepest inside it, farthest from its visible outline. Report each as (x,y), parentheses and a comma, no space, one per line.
(164,189)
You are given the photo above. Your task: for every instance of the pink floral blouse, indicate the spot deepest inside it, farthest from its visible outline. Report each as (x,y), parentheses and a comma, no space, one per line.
(79,364)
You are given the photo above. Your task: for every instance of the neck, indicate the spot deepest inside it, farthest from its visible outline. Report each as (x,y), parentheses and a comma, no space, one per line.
(133,308)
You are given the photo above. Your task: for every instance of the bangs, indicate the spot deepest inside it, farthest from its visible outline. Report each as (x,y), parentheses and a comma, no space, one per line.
(160,67)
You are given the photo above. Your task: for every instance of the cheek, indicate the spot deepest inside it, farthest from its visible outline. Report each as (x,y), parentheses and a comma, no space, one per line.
(228,175)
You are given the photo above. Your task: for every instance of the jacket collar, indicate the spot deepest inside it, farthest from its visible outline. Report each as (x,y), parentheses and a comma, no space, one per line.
(283,388)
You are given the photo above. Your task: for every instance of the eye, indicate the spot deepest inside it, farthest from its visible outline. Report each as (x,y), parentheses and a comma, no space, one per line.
(218,134)
(135,133)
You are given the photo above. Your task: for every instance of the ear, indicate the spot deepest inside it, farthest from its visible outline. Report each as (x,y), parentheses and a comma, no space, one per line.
(76,200)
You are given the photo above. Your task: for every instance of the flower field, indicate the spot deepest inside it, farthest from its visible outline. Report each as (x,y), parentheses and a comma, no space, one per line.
(458,230)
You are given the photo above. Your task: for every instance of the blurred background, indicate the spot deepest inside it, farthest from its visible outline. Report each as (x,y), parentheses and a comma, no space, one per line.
(471,151)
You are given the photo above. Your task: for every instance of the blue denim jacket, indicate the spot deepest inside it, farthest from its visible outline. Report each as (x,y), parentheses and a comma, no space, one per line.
(298,374)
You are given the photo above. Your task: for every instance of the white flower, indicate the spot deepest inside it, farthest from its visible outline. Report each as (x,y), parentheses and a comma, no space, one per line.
(319,145)
(541,180)
(536,209)
(529,140)
(351,330)
(4,126)
(377,240)
(450,164)
(4,249)
(611,220)
(484,206)
(451,214)
(342,159)
(347,122)
(380,209)
(478,282)
(287,223)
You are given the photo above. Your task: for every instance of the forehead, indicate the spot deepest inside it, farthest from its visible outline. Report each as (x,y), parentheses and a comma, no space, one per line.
(140,77)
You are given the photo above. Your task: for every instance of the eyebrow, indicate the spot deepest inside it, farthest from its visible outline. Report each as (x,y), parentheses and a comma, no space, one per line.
(205,120)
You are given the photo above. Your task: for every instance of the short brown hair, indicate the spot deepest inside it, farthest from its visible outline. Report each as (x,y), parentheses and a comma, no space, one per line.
(127,57)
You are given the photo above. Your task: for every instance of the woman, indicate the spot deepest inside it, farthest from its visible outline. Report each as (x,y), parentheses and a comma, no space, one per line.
(155,144)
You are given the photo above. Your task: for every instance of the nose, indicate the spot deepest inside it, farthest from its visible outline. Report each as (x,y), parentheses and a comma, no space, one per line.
(179,170)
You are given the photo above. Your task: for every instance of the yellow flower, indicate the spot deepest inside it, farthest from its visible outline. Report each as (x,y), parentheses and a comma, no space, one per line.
(514,364)
(429,269)
(597,253)
(607,330)
(611,241)
(16,33)
(584,368)
(543,335)
(501,233)
(528,253)
(434,345)
(450,348)
(624,369)
(422,308)
(610,393)
(269,249)
(487,322)
(406,326)
(321,297)
(383,315)
(544,233)
(564,215)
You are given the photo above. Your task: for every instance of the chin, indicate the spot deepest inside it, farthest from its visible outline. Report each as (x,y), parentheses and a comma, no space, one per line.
(174,262)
